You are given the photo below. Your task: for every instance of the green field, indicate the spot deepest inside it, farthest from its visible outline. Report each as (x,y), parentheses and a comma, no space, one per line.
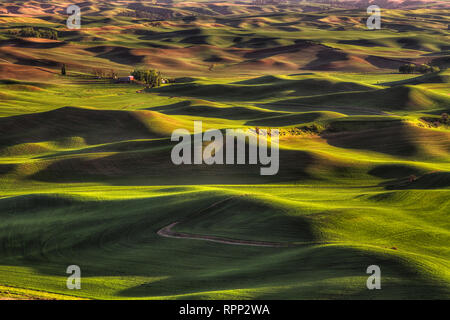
(86,176)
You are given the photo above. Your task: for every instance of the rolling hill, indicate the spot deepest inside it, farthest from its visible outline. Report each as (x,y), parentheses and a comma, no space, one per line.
(86,175)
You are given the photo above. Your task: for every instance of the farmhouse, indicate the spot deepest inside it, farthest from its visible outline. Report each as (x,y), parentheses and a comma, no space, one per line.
(127,79)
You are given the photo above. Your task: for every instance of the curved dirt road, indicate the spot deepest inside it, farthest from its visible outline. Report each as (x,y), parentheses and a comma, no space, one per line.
(168,233)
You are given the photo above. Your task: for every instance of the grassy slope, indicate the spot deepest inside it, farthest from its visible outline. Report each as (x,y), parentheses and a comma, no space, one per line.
(330,198)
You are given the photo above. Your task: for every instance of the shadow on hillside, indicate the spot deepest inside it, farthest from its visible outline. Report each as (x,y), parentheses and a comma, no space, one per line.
(94,126)
(395,140)
(154,167)
(433,180)
(117,239)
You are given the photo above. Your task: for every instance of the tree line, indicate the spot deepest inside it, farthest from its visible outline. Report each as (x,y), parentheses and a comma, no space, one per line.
(151,77)
(33,32)
(413,68)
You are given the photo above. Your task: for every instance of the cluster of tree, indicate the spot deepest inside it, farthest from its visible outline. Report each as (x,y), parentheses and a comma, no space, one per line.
(412,68)
(34,32)
(297,131)
(151,77)
(102,73)
(138,14)
(154,13)
(263,2)
(436,122)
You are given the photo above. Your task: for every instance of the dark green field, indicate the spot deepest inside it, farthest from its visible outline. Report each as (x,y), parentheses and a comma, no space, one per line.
(86,176)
